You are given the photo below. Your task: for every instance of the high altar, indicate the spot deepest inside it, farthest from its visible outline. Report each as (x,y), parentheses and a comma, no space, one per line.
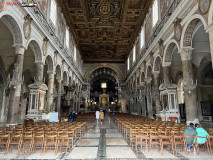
(104,100)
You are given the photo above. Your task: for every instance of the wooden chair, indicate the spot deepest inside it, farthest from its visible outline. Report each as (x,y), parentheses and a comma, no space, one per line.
(154,140)
(211,131)
(185,143)
(38,141)
(64,142)
(5,141)
(205,145)
(166,140)
(27,141)
(140,141)
(210,143)
(15,140)
(52,142)
(178,140)
(132,138)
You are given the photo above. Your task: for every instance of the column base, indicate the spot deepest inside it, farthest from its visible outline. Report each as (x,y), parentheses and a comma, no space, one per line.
(9,125)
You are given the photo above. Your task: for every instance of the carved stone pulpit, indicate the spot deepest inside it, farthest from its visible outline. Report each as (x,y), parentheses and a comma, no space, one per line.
(168,96)
(36,100)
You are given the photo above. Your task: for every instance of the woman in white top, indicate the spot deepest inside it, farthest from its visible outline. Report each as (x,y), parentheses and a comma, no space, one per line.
(97,113)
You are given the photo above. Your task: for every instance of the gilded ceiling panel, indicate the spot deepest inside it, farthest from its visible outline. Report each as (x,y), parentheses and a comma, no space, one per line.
(105,30)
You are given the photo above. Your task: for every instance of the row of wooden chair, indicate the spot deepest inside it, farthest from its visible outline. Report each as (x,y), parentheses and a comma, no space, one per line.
(57,135)
(138,141)
(132,126)
(32,141)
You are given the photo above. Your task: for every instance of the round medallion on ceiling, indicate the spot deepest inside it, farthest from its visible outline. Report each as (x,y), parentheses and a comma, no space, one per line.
(105,8)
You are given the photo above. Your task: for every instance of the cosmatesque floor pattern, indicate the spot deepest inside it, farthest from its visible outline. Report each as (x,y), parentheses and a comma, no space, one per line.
(103,141)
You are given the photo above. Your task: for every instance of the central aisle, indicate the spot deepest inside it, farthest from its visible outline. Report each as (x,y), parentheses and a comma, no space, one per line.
(102,141)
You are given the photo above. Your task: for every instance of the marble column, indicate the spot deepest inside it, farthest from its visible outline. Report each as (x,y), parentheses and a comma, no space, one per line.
(149,98)
(143,101)
(157,93)
(39,74)
(59,96)
(210,31)
(3,106)
(23,101)
(50,91)
(15,90)
(131,105)
(190,94)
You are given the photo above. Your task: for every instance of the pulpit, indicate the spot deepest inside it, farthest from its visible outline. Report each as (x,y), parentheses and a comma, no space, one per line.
(36,100)
(168,97)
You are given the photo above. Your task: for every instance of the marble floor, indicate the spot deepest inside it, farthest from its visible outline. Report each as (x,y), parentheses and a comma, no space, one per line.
(103,141)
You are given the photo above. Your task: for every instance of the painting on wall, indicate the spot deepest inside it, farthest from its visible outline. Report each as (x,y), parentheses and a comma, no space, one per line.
(165,5)
(204,6)
(41,4)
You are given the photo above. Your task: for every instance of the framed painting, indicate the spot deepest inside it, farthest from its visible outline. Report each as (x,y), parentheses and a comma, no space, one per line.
(165,5)
(203,6)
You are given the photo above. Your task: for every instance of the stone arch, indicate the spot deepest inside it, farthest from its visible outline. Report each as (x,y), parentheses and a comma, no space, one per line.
(157,63)
(70,81)
(167,58)
(189,28)
(111,66)
(149,72)
(204,62)
(34,45)
(49,62)
(178,76)
(58,72)
(14,26)
(65,78)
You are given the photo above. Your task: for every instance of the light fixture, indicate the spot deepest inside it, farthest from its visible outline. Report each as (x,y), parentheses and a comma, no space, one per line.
(103,85)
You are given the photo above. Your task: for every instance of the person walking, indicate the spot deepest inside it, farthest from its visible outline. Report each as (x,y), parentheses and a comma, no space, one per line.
(97,114)
(102,115)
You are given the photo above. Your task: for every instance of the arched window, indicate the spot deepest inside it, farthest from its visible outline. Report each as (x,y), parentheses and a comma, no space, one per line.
(67,38)
(142,37)
(128,63)
(155,13)
(53,12)
(134,54)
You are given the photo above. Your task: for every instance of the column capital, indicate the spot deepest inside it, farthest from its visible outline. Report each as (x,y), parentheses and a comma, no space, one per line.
(156,74)
(148,80)
(19,50)
(166,64)
(39,63)
(186,53)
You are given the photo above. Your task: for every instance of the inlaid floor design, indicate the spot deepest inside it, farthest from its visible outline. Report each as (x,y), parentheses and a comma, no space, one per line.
(103,141)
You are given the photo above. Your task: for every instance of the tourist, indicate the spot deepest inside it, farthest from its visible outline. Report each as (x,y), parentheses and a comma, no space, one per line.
(190,131)
(102,115)
(70,117)
(201,133)
(74,115)
(97,114)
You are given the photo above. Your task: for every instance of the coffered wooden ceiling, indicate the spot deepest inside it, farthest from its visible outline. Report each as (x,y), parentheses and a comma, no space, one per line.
(105,30)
